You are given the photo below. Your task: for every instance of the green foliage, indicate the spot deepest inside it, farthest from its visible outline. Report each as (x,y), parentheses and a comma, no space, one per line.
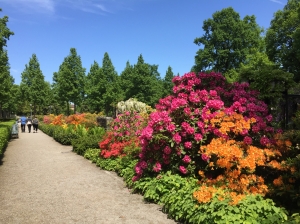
(167,82)
(226,42)
(88,140)
(175,194)
(92,154)
(6,79)
(65,136)
(95,88)
(267,78)
(69,80)
(142,81)
(5,128)
(282,38)
(33,85)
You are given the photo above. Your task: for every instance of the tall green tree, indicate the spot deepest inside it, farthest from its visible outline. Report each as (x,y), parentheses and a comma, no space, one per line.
(266,77)
(69,80)
(33,84)
(282,38)
(113,93)
(226,42)
(95,88)
(167,82)
(6,79)
(144,82)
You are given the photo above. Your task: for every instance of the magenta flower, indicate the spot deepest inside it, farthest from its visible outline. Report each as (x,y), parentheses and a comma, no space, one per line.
(205,157)
(177,138)
(182,169)
(167,150)
(186,159)
(188,145)
(143,164)
(138,170)
(147,133)
(264,141)
(157,167)
(171,127)
(198,137)
(247,140)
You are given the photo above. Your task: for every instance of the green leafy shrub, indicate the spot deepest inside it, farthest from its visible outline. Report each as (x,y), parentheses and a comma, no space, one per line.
(92,154)
(47,129)
(81,144)
(5,129)
(65,136)
(175,194)
(89,140)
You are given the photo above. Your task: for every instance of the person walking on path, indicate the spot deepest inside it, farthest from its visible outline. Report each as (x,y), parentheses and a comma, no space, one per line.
(23,123)
(29,123)
(35,124)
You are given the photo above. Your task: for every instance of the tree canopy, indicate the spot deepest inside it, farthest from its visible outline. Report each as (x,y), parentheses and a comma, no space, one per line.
(33,86)
(227,41)
(6,80)
(283,38)
(69,80)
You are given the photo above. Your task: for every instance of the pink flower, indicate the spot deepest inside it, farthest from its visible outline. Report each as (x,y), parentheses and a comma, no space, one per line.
(205,157)
(157,167)
(198,137)
(143,164)
(138,170)
(167,150)
(182,169)
(244,132)
(215,104)
(213,93)
(186,159)
(264,141)
(269,118)
(135,178)
(147,133)
(247,140)
(177,138)
(171,127)
(188,145)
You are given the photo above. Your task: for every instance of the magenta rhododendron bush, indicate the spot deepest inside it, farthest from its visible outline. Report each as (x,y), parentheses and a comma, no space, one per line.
(184,121)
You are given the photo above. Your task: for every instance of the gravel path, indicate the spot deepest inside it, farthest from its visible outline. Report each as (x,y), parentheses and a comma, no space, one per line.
(42,181)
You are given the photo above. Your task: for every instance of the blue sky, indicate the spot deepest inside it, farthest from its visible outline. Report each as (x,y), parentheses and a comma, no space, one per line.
(163,31)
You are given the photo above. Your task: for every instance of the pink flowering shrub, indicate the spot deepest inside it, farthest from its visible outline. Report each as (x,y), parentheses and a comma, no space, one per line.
(182,122)
(126,129)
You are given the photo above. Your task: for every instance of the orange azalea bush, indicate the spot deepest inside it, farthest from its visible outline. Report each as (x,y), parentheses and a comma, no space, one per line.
(85,119)
(231,161)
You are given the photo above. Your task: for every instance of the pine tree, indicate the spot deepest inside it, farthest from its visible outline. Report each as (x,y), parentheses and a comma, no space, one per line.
(33,86)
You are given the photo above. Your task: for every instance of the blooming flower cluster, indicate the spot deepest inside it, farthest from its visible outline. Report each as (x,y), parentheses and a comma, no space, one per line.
(125,130)
(191,117)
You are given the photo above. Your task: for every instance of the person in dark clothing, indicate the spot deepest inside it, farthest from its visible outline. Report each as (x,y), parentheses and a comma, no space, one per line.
(29,123)
(23,123)
(35,124)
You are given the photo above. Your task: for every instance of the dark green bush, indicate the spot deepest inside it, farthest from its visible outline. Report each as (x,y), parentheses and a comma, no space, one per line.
(5,131)
(81,144)
(64,136)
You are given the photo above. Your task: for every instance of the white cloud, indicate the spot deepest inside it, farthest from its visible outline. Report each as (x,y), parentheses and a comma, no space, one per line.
(102,7)
(277,1)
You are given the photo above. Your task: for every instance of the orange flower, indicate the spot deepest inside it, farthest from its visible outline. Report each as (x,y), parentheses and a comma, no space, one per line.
(278,182)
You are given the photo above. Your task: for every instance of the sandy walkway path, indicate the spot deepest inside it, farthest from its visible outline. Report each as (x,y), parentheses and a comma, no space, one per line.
(42,181)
